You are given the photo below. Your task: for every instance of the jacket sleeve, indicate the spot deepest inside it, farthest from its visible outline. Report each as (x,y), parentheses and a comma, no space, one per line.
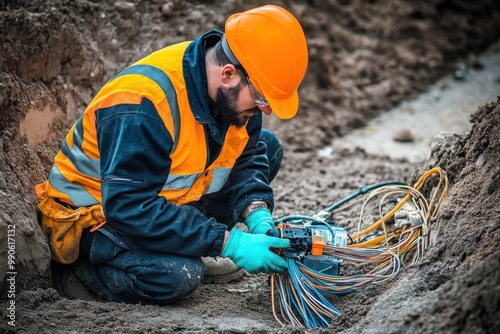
(134,147)
(248,180)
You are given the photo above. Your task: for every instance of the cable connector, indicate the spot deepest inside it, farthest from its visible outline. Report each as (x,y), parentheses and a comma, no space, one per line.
(318,245)
(322,215)
(408,215)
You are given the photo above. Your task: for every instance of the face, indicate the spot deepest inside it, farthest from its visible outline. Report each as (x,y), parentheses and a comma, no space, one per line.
(230,104)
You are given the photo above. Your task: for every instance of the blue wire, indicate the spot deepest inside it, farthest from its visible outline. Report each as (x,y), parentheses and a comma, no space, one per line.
(310,316)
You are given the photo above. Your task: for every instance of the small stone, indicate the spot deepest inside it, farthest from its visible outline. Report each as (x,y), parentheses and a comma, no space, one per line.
(3,183)
(461,72)
(126,9)
(404,136)
(167,9)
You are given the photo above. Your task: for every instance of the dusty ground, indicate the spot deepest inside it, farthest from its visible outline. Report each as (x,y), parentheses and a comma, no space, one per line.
(365,57)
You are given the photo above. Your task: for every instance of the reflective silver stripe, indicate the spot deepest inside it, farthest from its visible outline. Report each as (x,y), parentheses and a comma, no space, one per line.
(177,182)
(78,195)
(162,80)
(219,179)
(83,163)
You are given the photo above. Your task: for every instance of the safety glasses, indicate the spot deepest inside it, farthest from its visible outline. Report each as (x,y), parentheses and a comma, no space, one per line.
(258,98)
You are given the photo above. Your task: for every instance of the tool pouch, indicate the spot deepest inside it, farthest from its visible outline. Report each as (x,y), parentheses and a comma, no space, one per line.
(63,225)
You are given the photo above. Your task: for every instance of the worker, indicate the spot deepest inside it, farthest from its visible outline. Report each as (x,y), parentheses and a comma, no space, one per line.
(145,195)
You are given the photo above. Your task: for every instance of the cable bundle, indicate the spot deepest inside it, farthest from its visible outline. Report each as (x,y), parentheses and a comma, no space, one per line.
(300,300)
(301,289)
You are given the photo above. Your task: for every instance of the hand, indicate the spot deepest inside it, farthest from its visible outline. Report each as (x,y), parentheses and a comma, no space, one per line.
(260,221)
(252,253)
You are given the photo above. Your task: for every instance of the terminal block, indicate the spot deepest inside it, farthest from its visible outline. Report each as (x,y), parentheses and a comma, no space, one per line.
(307,244)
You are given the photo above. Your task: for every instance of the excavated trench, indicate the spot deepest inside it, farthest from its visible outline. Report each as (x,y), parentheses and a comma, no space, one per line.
(365,58)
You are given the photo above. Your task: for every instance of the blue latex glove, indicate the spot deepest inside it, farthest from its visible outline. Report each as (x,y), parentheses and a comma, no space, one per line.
(260,221)
(252,253)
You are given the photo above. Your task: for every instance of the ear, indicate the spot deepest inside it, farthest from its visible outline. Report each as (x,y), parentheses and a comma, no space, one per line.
(228,73)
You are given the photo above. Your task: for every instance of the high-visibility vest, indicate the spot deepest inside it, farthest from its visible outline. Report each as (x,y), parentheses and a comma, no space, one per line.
(75,177)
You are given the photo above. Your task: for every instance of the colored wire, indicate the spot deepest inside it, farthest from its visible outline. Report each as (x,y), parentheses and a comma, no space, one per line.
(301,289)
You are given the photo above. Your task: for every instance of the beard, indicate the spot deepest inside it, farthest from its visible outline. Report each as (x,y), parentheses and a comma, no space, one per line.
(227,100)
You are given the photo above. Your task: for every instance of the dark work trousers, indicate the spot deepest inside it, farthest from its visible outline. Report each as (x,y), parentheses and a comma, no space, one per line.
(118,269)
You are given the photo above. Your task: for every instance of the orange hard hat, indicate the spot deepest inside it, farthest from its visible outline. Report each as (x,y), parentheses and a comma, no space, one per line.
(270,45)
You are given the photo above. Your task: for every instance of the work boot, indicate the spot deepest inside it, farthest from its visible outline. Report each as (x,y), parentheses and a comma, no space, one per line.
(220,270)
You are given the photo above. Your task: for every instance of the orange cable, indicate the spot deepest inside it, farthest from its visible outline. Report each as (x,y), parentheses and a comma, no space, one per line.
(272,302)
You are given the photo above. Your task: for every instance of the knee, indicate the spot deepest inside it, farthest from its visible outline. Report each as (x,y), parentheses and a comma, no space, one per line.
(153,280)
(170,279)
(184,277)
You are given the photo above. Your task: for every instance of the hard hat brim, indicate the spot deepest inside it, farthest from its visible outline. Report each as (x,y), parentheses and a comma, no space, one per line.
(285,108)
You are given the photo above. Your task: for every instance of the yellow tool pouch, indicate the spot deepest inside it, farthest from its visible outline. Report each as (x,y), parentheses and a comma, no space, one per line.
(63,226)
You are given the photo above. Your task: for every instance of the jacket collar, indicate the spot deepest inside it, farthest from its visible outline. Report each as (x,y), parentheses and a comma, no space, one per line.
(195,77)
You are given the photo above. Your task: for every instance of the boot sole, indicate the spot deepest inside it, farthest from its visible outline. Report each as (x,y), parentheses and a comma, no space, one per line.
(221,279)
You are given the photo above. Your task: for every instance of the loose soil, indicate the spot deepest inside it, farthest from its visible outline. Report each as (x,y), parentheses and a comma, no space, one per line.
(365,58)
